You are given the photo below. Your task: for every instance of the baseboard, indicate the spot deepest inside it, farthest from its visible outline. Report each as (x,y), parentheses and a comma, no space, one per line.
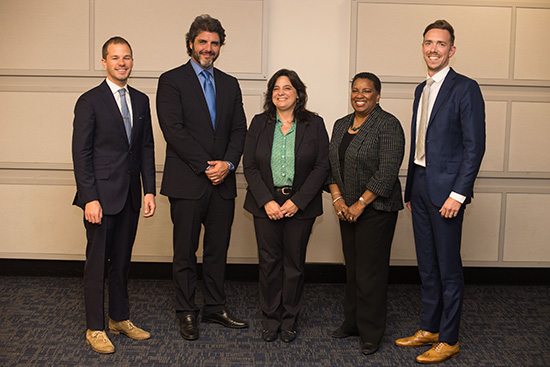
(315,273)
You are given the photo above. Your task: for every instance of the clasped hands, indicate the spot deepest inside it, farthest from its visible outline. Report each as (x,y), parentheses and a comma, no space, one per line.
(348,213)
(217,171)
(275,211)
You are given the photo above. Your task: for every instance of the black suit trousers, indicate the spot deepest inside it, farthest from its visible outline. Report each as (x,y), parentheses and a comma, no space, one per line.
(216,214)
(366,246)
(282,255)
(109,248)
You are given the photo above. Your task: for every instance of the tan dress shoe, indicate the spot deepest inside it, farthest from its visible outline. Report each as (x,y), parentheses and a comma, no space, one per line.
(440,352)
(99,341)
(419,339)
(127,328)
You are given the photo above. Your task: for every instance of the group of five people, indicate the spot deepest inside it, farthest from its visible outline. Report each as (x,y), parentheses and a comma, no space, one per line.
(287,162)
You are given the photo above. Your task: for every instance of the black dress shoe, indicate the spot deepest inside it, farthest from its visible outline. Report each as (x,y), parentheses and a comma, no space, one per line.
(288,335)
(369,348)
(226,319)
(188,328)
(269,335)
(341,333)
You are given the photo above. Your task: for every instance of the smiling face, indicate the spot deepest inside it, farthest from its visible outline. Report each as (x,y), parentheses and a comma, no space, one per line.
(284,94)
(205,49)
(364,97)
(118,63)
(437,50)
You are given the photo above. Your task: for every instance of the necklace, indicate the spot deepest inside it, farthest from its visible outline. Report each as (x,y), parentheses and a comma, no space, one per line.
(353,128)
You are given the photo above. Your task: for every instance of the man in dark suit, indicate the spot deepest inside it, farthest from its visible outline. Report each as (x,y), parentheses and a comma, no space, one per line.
(447,146)
(113,154)
(201,115)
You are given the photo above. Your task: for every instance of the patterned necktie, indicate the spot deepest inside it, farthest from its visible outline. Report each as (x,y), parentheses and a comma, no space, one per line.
(210,95)
(125,114)
(422,125)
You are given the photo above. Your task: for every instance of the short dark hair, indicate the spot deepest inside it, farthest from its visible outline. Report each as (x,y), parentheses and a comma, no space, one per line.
(369,76)
(204,23)
(114,40)
(441,24)
(301,114)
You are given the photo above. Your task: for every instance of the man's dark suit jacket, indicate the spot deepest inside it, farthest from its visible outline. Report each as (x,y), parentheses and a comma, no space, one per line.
(191,139)
(455,139)
(373,159)
(106,166)
(310,167)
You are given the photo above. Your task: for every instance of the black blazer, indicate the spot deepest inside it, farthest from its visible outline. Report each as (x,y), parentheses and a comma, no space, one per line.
(106,166)
(191,140)
(373,159)
(310,167)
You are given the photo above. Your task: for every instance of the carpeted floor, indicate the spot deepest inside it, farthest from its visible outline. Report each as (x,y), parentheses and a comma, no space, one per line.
(42,324)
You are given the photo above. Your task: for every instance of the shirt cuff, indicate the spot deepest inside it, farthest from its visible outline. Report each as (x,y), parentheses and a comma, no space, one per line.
(457,197)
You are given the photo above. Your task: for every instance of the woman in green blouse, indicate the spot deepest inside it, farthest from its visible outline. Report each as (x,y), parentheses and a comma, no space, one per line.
(285,164)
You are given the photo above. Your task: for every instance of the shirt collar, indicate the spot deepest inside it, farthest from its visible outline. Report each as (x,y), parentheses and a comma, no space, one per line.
(198,69)
(440,74)
(115,88)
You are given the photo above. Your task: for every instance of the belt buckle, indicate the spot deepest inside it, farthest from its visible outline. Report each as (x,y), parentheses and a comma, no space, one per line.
(286,190)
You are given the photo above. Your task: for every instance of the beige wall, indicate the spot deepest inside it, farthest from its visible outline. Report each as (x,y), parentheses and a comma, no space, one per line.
(50,58)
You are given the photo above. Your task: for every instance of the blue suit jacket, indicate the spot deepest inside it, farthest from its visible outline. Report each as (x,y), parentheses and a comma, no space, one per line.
(455,139)
(106,166)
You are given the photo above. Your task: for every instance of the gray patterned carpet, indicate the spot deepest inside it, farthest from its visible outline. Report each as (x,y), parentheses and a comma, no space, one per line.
(42,324)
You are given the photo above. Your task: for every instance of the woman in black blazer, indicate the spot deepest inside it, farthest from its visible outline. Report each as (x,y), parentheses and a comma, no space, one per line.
(285,164)
(365,152)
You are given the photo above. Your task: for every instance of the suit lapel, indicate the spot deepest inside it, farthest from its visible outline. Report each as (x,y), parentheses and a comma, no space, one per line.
(135,112)
(220,93)
(446,87)
(196,87)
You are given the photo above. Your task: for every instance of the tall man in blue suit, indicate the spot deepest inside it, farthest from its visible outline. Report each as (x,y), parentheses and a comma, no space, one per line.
(447,146)
(201,115)
(113,154)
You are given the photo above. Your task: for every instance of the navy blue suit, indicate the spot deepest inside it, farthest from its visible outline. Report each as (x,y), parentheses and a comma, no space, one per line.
(455,144)
(111,170)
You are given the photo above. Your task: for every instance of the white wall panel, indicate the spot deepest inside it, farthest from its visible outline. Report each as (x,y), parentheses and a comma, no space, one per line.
(532,51)
(530,137)
(157,31)
(36,126)
(389,38)
(527,235)
(44,35)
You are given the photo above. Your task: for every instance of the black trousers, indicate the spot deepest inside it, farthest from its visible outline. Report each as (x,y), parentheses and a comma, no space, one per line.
(216,214)
(366,246)
(109,247)
(282,255)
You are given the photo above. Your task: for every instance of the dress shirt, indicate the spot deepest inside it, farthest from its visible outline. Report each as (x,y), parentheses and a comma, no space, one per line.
(434,91)
(198,70)
(282,155)
(115,88)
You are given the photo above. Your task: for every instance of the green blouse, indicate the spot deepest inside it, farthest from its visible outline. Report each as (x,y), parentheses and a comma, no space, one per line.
(282,155)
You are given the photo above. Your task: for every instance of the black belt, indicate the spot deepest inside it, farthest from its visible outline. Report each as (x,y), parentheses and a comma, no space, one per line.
(285,190)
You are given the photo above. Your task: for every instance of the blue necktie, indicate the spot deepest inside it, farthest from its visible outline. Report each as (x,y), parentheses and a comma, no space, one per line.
(125,114)
(210,96)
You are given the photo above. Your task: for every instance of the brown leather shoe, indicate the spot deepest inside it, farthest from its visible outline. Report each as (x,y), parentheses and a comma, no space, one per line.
(99,341)
(440,352)
(127,328)
(419,339)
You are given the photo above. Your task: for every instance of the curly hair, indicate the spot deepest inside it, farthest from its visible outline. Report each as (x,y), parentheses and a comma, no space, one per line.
(204,23)
(301,114)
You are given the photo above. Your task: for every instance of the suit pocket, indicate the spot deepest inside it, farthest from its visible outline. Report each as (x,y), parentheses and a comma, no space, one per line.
(102,174)
(453,167)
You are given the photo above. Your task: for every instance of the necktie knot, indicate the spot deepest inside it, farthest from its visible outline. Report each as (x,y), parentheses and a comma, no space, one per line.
(122,92)
(429,82)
